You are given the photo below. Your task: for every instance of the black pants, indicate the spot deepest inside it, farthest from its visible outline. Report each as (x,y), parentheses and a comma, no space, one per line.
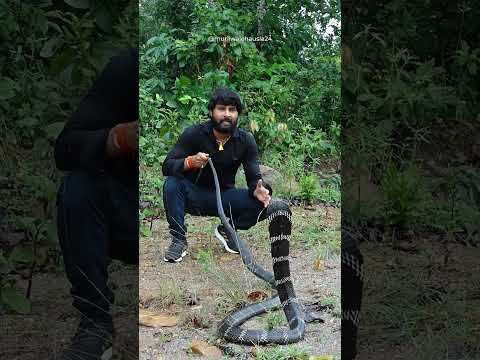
(97,220)
(180,196)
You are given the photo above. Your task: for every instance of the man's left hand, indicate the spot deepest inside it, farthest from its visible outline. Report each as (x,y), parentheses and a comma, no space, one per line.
(262,193)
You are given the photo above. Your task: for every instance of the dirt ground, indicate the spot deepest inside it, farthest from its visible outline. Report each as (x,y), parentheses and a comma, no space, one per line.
(428,307)
(200,296)
(47,330)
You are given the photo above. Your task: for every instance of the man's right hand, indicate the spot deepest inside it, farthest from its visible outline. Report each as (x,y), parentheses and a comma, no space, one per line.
(196,161)
(123,138)
(131,134)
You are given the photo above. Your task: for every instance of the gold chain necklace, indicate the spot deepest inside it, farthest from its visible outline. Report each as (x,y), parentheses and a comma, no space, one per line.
(222,143)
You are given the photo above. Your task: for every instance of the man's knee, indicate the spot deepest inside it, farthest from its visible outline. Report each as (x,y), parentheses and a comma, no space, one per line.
(79,191)
(172,185)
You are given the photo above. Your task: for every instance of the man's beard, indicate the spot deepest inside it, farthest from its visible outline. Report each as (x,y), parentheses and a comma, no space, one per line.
(229,130)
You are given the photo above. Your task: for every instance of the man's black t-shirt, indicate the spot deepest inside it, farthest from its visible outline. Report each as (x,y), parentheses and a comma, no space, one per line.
(113,99)
(240,149)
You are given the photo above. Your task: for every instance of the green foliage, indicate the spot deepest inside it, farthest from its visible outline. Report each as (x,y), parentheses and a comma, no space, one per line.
(205,259)
(309,187)
(401,89)
(11,299)
(326,190)
(402,192)
(457,210)
(159,128)
(289,85)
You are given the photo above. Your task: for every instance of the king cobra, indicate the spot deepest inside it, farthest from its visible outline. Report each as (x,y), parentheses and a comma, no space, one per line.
(280,226)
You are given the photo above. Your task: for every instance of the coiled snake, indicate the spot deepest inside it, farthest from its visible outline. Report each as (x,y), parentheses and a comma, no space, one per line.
(280,225)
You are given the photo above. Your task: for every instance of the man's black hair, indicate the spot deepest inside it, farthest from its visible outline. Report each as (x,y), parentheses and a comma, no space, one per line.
(224,96)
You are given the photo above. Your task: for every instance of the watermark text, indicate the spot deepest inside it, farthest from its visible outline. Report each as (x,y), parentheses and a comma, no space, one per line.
(240,39)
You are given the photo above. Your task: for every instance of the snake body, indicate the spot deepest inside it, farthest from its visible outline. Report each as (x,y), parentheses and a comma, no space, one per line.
(280,224)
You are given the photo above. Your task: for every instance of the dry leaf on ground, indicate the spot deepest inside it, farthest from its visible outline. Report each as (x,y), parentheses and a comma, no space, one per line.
(257,296)
(151,319)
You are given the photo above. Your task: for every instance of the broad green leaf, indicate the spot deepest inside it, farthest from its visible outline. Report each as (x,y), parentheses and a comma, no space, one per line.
(49,47)
(21,254)
(184,81)
(25,222)
(15,300)
(41,146)
(5,265)
(62,61)
(237,51)
(185,99)
(103,19)
(7,88)
(53,130)
(27,122)
(472,68)
(51,233)
(78,4)
(171,104)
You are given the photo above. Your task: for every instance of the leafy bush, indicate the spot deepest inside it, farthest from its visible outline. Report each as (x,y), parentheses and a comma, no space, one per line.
(402,194)
(290,106)
(309,187)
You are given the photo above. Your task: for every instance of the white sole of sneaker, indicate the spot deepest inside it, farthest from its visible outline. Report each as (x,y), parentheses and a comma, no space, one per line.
(223,241)
(177,260)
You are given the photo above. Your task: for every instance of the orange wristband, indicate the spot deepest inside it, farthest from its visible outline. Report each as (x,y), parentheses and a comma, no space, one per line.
(121,137)
(188,161)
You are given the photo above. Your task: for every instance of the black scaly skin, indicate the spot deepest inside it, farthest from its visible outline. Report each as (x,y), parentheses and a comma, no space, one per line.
(352,288)
(280,226)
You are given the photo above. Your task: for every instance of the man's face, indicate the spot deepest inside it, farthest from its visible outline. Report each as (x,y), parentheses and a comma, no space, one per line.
(225,116)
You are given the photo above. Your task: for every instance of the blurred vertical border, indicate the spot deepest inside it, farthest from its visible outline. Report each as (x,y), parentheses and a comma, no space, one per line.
(411,179)
(51,53)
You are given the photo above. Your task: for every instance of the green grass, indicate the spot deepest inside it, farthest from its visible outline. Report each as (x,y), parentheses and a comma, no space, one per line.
(170,293)
(274,319)
(292,352)
(430,329)
(329,195)
(324,241)
(328,244)
(233,293)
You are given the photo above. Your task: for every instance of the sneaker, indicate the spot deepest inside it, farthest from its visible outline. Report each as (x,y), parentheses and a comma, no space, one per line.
(229,245)
(92,341)
(176,251)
